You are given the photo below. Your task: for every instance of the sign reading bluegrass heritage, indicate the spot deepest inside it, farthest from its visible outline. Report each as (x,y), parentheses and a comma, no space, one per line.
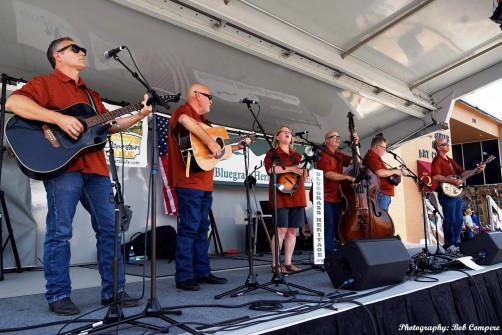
(318,215)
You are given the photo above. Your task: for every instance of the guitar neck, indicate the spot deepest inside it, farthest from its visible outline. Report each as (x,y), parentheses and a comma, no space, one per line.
(102,118)
(234,140)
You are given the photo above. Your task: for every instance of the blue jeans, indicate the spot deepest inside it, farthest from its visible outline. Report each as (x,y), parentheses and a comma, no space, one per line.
(469,234)
(331,218)
(63,195)
(384,201)
(192,246)
(453,219)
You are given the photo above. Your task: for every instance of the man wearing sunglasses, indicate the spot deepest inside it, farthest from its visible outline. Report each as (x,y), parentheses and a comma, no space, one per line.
(194,191)
(373,159)
(332,163)
(86,179)
(442,167)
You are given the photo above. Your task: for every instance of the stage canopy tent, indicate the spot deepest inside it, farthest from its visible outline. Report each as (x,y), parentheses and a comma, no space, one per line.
(397,65)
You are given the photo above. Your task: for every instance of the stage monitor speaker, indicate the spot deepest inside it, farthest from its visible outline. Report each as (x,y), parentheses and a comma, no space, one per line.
(369,263)
(485,248)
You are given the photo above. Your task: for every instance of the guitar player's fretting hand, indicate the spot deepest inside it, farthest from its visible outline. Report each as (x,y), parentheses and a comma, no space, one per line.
(70,125)
(215,148)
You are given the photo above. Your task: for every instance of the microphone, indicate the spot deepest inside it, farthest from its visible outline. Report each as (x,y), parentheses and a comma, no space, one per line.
(113,52)
(393,154)
(300,133)
(247,101)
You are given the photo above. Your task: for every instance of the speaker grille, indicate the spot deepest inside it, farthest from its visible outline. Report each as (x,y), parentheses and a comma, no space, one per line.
(369,262)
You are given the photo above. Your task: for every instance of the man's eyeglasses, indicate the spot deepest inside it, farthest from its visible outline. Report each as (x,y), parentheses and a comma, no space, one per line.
(444,144)
(381,146)
(335,137)
(75,48)
(209,96)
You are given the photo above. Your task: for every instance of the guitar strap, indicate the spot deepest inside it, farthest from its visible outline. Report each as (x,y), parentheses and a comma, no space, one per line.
(91,100)
(454,167)
(189,155)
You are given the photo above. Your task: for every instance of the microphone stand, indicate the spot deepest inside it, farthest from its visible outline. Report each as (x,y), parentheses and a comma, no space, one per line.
(277,278)
(313,160)
(153,308)
(425,196)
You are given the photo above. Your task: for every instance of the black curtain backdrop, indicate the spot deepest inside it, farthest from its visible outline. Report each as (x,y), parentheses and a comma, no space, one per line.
(471,301)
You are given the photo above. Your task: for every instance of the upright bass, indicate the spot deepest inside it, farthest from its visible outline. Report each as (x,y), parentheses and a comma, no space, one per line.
(362,217)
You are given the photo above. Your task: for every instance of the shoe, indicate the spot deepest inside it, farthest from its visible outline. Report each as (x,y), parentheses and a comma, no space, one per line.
(292,268)
(188,285)
(452,249)
(282,269)
(123,298)
(63,307)
(211,279)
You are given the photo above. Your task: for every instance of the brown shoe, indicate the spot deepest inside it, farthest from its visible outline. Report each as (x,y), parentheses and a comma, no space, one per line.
(281,268)
(292,268)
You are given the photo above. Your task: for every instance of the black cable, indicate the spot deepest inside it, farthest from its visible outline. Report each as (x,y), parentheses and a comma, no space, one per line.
(375,329)
(41,325)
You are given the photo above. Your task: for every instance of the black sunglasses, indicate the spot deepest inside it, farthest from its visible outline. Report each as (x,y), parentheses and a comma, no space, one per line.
(75,48)
(444,144)
(209,96)
(334,136)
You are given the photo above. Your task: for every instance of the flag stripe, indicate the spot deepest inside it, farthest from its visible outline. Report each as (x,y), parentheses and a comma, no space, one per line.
(170,200)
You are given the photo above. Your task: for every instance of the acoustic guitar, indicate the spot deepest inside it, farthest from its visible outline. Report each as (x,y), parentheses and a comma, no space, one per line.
(195,152)
(454,191)
(44,151)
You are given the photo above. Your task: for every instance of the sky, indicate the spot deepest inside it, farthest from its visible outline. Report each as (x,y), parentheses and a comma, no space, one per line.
(486,99)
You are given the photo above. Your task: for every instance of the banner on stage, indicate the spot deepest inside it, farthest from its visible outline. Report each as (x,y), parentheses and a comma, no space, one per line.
(134,140)
(318,215)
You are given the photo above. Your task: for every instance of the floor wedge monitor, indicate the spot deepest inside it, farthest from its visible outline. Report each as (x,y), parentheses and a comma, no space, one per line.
(485,248)
(362,264)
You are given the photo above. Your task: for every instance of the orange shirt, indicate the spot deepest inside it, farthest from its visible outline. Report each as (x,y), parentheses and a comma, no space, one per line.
(376,163)
(444,166)
(58,91)
(328,163)
(298,198)
(200,180)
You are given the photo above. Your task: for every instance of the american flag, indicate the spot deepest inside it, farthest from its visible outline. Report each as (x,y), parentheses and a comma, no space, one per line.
(170,200)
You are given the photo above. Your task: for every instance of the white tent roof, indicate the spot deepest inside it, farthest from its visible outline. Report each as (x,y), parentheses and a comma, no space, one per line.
(397,65)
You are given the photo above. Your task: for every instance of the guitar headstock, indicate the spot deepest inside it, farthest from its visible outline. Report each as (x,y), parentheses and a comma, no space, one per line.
(489,159)
(352,123)
(171,97)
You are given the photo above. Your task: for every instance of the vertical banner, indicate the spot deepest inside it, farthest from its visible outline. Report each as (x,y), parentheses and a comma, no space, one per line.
(318,215)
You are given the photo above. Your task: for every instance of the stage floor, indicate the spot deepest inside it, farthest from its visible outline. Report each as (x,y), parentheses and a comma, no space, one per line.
(22,302)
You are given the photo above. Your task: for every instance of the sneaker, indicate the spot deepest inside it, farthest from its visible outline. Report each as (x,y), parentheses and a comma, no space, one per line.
(124,299)
(63,307)
(452,249)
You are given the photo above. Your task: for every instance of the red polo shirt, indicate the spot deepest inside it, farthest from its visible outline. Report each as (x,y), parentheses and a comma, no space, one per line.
(298,198)
(376,163)
(200,180)
(444,166)
(328,163)
(58,91)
